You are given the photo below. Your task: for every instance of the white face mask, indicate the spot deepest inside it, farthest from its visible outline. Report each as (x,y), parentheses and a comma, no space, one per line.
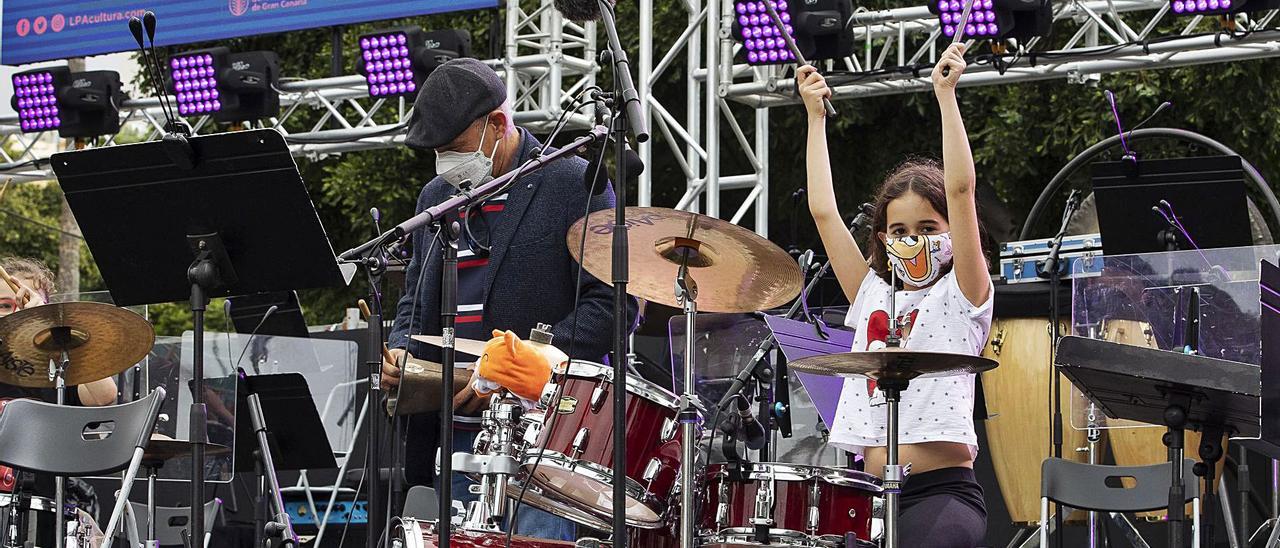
(467,169)
(919,260)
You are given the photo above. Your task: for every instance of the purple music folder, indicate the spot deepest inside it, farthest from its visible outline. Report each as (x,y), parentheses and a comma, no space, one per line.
(799,339)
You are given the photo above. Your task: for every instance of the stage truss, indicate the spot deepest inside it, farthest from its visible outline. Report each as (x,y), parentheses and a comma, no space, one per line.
(546,61)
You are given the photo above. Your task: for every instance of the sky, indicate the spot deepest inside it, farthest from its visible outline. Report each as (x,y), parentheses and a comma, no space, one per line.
(119,62)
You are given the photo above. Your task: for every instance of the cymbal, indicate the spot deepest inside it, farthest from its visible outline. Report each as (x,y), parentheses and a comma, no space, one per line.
(162,448)
(734,269)
(893,364)
(100,339)
(470,347)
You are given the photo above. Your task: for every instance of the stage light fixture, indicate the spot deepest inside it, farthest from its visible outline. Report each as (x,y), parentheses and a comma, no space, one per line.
(90,104)
(1221,7)
(228,86)
(817,26)
(395,62)
(76,104)
(994,19)
(35,97)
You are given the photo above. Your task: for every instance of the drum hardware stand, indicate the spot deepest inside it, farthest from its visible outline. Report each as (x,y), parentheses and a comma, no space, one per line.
(494,467)
(687,294)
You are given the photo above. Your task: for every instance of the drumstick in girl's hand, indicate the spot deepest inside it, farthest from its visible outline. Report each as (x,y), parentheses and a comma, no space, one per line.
(386,352)
(13,284)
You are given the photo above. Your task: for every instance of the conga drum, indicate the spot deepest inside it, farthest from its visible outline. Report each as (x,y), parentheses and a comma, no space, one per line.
(1017,396)
(1135,443)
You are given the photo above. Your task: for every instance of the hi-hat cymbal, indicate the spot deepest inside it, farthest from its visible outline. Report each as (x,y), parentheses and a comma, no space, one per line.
(735,270)
(893,364)
(101,340)
(162,448)
(470,347)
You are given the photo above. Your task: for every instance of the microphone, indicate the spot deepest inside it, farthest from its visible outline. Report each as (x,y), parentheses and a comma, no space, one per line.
(152,63)
(749,428)
(597,174)
(627,97)
(253,334)
(861,221)
(579,10)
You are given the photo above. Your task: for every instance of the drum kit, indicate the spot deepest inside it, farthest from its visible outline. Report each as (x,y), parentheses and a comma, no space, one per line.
(56,346)
(558,455)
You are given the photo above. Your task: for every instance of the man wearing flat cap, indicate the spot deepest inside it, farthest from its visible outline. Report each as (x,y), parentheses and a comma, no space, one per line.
(514,266)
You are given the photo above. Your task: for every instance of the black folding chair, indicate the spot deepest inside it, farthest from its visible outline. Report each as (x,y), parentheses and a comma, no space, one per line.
(1102,489)
(80,441)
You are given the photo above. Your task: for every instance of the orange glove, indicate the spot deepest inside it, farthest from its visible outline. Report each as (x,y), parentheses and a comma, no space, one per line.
(515,365)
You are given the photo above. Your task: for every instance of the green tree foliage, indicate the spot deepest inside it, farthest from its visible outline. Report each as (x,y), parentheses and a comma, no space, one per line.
(1021,134)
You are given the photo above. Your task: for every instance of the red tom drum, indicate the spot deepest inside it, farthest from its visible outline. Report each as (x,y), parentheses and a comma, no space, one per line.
(575,462)
(798,505)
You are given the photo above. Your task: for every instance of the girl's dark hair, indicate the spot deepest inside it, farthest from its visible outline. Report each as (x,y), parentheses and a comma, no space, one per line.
(920,176)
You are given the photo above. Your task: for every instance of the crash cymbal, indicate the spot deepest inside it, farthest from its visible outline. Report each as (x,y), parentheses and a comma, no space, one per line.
(735,270)
(893,363)
(162,448)
(469,347)
(101,340)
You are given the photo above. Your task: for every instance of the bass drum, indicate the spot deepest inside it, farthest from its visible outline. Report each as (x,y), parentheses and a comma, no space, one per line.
(1017,396)
(1135,443)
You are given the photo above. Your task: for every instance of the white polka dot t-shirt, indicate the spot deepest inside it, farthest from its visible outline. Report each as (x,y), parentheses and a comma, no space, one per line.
(937,319)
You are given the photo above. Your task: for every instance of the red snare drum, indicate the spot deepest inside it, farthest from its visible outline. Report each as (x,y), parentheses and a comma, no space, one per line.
(411,533)
(801,505)
(577,445)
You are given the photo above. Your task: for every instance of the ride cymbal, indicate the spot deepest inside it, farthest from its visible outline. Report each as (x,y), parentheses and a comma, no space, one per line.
(735,270)
(101,340)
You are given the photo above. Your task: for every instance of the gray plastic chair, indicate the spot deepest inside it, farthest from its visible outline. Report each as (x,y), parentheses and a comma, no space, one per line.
(42,437)
(1098,488)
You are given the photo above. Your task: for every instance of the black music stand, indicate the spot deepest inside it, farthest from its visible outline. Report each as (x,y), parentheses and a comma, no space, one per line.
(249,315)
(281,413)
(1206,192)
(1177,390)
(218,215)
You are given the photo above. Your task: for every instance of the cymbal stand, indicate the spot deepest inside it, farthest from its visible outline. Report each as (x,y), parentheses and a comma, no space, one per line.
(1273,541)
(62,339)
(153,469)
(687,295)
(894,476)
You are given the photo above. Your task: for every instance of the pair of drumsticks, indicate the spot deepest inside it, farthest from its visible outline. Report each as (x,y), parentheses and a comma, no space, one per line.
(24,296)
(386,352)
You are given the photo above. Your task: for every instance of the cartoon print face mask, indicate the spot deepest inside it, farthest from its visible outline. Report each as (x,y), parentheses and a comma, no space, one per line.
(919,260)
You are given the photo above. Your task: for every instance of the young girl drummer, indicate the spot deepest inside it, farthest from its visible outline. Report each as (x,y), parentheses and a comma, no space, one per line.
(927,231)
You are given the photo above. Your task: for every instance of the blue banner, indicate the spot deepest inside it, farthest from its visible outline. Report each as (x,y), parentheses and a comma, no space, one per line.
(41,30)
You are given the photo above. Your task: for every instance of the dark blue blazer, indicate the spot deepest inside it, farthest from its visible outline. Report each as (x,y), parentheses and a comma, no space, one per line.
(531,274)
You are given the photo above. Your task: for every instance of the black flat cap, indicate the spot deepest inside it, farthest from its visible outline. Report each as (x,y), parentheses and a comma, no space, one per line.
(454,96)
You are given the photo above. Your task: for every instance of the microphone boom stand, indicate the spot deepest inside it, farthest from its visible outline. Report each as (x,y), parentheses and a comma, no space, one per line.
(1055,279)
(629,116)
